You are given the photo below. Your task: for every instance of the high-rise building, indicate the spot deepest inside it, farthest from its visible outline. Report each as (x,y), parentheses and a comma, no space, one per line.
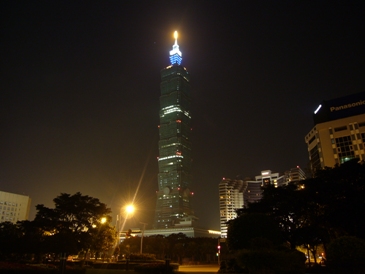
(230,199)
(14,207)
(338,134)
(236,194)
(173,207)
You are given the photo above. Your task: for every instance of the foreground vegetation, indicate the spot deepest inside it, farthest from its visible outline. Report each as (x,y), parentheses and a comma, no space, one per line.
(81,225)
(322,212)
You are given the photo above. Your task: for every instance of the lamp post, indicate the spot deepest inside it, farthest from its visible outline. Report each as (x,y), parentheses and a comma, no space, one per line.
(124,213)
(144,227)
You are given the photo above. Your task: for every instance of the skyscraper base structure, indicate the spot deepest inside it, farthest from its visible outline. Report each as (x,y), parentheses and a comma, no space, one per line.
(174,212)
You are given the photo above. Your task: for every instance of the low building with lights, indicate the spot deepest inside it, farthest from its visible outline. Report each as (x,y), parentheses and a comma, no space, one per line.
(189,231)
(254,189)
(338,134)
(14,207)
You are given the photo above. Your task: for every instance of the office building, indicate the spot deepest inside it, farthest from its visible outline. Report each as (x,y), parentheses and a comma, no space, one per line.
(254,189)
(173,206)
(338,134)
(14,207)
(295,174)
(236,194)
(230,199)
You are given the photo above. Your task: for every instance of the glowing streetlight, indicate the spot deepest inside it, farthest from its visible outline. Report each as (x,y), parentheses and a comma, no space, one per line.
(103,220)
(129,209)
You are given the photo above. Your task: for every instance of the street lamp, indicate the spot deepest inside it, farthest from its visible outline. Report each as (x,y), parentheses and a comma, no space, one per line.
(129,209)
(125,213)
(144,227)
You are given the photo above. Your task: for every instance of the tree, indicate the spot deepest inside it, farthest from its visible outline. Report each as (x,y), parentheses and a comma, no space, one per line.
(74,223)
(347,255)
(104,239)
(324,208)
(337,197)
(244,231)
(9,240)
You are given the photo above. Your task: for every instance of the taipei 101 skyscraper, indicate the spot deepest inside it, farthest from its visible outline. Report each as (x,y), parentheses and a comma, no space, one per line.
(173,207)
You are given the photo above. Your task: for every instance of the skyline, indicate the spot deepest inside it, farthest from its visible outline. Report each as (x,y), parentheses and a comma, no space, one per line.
(77,117)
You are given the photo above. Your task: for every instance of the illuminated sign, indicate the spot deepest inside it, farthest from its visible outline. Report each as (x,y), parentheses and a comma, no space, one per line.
(347,106)
(351,105)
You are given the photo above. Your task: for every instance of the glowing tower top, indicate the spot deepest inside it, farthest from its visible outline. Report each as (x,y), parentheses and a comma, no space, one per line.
(175,53)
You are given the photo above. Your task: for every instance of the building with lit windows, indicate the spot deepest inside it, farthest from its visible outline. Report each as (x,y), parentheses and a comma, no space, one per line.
(254,189)
(295,174)
(338,134)
(236,194)
(14,207)
(230,199)
(173,206)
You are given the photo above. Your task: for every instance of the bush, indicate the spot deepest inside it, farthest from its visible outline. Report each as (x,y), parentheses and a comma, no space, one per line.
(346,255)
(142,257)
(272,261)
(230,266)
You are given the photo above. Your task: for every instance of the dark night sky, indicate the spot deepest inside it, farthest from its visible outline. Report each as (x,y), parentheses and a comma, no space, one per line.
(80,91)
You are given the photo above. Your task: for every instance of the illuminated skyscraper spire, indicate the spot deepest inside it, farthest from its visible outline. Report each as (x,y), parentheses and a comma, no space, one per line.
(174,205)
(175,53)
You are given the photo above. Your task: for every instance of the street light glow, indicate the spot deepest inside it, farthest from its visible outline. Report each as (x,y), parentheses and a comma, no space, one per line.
(129,209)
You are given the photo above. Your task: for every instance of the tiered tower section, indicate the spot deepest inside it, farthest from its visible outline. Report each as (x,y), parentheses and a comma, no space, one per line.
(173,207)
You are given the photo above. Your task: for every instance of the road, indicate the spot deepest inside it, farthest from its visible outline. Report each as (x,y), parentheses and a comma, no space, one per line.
(189,269)
(198,269)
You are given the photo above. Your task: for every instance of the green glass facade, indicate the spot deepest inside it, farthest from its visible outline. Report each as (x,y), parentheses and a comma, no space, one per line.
(174,162)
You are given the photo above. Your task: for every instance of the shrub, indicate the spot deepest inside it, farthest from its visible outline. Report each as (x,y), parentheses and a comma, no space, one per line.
(142,257)
(272,261)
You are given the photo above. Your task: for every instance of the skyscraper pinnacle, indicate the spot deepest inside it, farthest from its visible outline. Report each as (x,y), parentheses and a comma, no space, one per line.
(173,205)
(175,53)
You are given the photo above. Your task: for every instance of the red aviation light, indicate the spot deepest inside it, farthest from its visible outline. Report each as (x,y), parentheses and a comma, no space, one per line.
(178,121)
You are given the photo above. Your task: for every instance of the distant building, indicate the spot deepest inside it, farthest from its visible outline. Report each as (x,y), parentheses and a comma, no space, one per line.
(254,189)
(189,231)
(236,194)
(295,174)
(14,207)
(253,192)
(338,134)
(230,199)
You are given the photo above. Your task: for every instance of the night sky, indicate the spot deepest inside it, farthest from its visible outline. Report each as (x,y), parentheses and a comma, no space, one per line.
(80,91)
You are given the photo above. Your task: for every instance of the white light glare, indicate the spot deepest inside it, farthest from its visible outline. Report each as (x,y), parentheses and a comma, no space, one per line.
(318,108)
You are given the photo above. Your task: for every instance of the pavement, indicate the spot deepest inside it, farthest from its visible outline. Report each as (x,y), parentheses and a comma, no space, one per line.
(188,269)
